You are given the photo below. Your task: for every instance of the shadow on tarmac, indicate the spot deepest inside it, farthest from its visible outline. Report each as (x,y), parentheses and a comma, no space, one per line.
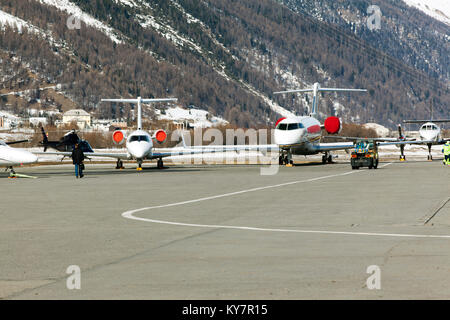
(94,172)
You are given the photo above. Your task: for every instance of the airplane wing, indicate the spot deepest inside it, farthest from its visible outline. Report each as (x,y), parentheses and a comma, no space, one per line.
(361,138)
(406,142)
(213,149)
(243,147)
(322,147)
(424,121)
(86,154)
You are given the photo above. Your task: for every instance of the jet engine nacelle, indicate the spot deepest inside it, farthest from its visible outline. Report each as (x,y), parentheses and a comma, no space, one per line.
(160,136)
(332,125)
(119,136)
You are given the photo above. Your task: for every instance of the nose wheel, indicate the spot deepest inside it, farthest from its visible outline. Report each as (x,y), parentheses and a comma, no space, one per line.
(139,168)
(160,164)
(430,157)
(12,173)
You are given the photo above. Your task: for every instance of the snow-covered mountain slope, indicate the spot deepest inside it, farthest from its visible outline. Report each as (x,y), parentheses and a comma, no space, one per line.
(12,21)
(438,9)
(228,57)
(76,12)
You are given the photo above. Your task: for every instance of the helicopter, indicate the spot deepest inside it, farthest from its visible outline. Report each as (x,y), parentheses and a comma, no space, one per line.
(66,143)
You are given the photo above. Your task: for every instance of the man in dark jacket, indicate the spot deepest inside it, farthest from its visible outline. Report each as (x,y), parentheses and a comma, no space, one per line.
(78,158)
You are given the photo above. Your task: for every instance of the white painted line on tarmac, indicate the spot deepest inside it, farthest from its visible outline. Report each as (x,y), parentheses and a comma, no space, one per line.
(130,214)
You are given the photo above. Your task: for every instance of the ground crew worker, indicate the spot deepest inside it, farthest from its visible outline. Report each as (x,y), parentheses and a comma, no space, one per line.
(446,151)
(77,158)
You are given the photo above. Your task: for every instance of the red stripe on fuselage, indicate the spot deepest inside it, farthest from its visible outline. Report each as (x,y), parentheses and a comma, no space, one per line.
(314,129)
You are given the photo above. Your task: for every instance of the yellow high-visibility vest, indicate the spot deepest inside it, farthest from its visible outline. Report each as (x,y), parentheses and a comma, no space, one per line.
(446,149)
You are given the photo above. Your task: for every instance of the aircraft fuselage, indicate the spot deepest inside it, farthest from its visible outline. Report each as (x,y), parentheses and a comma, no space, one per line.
(298,135)
(10,157)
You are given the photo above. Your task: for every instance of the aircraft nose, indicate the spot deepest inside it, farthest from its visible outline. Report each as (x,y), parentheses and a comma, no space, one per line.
(139,154)
(31,158)
(138,150)
(26,157)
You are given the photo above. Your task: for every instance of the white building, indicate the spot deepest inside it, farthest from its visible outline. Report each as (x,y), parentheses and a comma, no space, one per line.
(35,121)
(79,116)
(8,120)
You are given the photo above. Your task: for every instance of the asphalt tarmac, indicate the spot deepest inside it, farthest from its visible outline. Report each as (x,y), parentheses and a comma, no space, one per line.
(227,232)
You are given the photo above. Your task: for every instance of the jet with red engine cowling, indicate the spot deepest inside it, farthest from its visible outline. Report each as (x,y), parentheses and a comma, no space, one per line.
(301,135)
(139,143)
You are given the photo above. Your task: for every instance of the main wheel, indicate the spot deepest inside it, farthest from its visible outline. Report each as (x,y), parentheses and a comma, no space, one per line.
(160,164)
(330,159)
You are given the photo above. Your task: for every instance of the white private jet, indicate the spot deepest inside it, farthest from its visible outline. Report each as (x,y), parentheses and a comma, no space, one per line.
(139,143)
(11,157)
(301,135)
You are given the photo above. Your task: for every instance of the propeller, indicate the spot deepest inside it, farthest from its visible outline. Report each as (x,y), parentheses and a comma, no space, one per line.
(15,142)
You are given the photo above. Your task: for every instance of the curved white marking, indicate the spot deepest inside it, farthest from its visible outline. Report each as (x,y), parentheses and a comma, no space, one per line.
(130,214)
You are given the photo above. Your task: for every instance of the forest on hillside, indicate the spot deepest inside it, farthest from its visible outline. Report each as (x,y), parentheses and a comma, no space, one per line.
(243,45)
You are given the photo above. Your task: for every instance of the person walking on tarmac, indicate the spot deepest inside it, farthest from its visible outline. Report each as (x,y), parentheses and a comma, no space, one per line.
(446,151)
(78,158)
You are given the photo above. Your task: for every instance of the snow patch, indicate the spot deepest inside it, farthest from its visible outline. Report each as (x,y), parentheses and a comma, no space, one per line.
(437,9)
(195,117)
(12,21)
(74,10)
(379,129)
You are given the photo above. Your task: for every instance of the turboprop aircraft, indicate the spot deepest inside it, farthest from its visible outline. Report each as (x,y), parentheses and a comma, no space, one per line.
(430,133)
(11,157)
(401,138)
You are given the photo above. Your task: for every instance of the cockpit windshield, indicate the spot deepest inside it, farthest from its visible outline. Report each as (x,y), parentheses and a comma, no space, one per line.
(290,126)
(429,127)
(139,138)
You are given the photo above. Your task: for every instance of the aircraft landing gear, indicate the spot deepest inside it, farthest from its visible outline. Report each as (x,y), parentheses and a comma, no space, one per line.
(430,157)
(402,155)
(327,157)
(12,173)
(119,164)
(160,164)
(285,159)
(139,168)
